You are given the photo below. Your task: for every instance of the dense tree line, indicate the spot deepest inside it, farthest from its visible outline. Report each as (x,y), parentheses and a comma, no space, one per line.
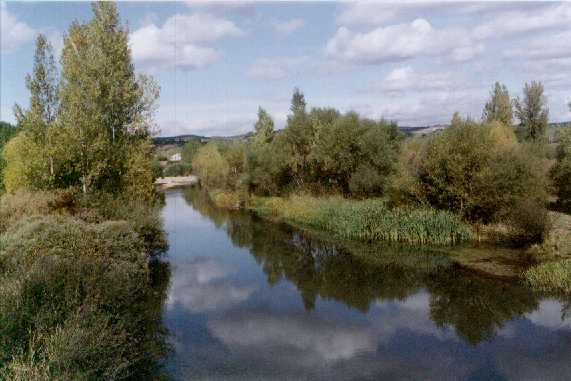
(89,124)
(487,171)
(319,151)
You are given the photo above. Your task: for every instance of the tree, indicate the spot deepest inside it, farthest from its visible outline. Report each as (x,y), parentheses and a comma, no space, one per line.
(7,132)
(39,120)
(297,102)
(190,149)
(105,109)
(264,127)
(210,166)
(300,137)
(561,172)
(456,119)
(478,171)
(499,107)
(532,111)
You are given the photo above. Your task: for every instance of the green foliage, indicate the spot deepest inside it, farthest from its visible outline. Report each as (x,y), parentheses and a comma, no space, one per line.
(356,155)
(550,277)
(478,171)
(561,172)
(189,150)
(267,167)
(369,220)
(90,127)
(211,167)
(69,283)
(264,127)
(532,111)
(177,169)
(7,132)
(499,107)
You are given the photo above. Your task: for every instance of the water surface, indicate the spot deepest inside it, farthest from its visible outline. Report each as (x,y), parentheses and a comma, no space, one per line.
(252,300)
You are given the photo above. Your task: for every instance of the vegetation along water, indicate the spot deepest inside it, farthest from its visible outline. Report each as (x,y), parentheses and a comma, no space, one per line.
(337,247)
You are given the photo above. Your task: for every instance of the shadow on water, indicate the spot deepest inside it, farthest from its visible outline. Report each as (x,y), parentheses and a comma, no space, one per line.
(322,309)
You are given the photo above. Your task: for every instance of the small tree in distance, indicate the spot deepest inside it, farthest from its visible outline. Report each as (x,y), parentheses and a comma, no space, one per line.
(499,107)
(532,111)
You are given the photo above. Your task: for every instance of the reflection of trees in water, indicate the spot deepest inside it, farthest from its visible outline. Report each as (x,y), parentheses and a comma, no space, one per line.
(148,313)
(475,306)
(201,202)
(359,274)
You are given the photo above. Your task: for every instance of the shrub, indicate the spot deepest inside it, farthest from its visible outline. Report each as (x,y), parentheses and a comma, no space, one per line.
(67,283)
(561,172)
(177,169)
(478,171)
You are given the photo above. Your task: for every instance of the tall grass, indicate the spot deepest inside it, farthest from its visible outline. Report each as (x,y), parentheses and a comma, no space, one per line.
(550,277)
(367,220)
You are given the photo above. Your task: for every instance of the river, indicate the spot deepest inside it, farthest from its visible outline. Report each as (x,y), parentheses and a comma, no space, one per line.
(253,300)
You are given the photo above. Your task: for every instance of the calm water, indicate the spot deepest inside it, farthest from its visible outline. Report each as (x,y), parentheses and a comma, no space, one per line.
(250,300)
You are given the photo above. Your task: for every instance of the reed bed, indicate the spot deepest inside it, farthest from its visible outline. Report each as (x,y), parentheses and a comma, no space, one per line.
(550,277)
(367,220)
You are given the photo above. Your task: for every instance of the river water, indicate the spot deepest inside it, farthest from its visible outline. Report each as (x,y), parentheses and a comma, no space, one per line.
(253,300)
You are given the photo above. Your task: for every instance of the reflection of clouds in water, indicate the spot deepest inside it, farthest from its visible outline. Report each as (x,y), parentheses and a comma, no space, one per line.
(314,340)
(412,314)
(550,315)
(201,285)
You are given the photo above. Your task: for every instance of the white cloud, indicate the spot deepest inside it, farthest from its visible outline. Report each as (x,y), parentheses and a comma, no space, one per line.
(400,42)
(513,22)
(176,42)
(289,26)
(546,47)
(13,33)
(202,285)
(406,78)
(378,12)
(275,68)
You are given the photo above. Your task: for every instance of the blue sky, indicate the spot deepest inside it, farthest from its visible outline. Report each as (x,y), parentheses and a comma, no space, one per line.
(414,62)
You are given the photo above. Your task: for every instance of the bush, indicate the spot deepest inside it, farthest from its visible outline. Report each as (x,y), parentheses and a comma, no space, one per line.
(561,172)
(528,222)
(68,283)
(478,171)
(177,169)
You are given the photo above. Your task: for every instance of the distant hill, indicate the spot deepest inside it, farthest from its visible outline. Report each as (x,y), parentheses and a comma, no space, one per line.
(408,130)
(183,139)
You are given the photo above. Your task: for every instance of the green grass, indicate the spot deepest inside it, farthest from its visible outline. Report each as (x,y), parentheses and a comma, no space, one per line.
(367,220)
(550,277)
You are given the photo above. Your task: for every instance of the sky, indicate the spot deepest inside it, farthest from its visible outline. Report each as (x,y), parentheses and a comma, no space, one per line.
(412,62)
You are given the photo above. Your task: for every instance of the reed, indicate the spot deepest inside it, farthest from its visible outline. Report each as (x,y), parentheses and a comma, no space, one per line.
(366,220)
(550,277)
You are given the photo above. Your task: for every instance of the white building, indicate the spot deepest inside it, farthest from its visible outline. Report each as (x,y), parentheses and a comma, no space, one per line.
(176,157)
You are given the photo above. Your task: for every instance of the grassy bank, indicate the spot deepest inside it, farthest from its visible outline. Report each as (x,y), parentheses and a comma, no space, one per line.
(79,297)
(550,277)
(366,220)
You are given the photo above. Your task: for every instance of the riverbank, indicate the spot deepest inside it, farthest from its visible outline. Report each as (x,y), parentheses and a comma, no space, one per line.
(77,272)
(177,181)
(372,220)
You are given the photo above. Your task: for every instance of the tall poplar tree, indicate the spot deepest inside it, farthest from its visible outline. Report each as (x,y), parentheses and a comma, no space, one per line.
(38,121)
(105,108)
(264,127)
(499,106)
